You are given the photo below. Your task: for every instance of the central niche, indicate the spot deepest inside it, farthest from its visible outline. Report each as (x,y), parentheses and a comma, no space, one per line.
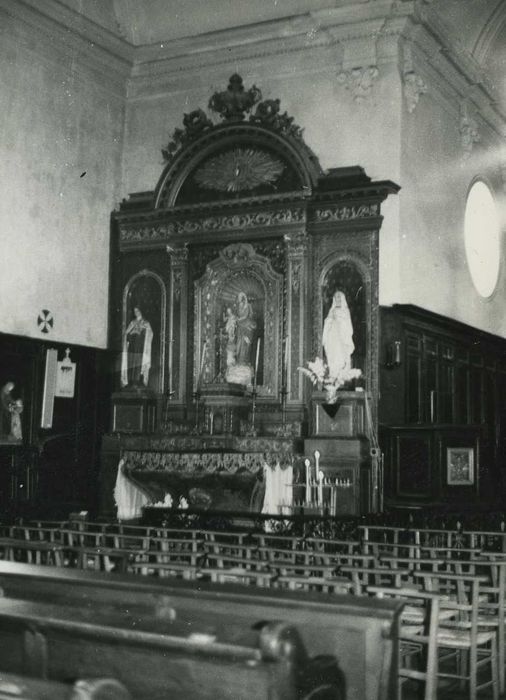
(238,314)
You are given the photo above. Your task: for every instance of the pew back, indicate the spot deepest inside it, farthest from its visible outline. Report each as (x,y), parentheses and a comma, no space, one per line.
(360,633)
(157,658)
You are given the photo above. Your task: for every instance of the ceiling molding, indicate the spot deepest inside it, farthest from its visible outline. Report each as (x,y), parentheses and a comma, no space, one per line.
(456,73)
(320,46)
(495,24)
(353,35)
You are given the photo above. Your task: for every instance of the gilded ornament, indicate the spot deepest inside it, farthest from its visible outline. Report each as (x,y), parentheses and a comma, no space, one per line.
(195,123)
(238,170)
(232,103)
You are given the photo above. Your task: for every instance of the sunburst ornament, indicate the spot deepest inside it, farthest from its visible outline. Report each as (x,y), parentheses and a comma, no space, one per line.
(239,169)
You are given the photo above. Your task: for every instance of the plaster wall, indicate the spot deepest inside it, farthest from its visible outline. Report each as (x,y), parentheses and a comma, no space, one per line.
(60,153)
(436,174)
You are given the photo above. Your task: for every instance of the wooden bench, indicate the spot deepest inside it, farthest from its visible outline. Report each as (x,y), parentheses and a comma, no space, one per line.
(359,632)
(25,688)
(161,657)
(33,552)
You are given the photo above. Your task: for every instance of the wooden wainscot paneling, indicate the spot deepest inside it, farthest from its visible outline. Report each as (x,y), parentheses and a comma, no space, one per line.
(448,378)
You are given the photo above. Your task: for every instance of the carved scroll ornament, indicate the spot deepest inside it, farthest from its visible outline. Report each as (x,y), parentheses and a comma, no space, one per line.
(346,213)
(130,233)
(233,105)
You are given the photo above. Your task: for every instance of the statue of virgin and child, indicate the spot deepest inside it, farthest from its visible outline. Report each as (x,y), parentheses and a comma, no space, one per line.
(239,327)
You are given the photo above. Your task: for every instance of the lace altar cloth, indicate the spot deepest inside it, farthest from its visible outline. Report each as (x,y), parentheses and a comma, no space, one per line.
(223,480)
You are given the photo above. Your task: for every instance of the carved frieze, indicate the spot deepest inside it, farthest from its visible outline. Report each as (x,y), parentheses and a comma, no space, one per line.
(131,233)
(194,463)
(345,213)
(197,443)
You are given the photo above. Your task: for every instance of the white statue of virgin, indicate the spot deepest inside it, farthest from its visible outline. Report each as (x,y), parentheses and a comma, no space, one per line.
(337,336)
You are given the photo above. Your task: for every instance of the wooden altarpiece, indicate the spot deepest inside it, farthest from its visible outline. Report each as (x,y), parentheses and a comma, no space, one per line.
(233,261)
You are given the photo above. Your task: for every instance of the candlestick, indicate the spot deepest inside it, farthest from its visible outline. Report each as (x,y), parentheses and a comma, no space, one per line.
(316,463)
(256,359)
(202,360)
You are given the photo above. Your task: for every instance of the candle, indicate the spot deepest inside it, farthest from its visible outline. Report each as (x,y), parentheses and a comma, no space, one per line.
(202,360)
(397,352)
(257,358)
(308,480)
(316,463)
(320,489)
(286,363)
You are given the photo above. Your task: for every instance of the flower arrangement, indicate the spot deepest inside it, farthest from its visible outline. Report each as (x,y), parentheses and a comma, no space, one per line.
(319,374)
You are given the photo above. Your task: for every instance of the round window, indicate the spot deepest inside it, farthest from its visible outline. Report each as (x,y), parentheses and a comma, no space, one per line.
(482,233)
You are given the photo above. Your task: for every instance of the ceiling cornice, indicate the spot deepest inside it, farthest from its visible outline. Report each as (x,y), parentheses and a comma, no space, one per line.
(324,40)
(338,38)
(458,73)
(495,24)
(318,27)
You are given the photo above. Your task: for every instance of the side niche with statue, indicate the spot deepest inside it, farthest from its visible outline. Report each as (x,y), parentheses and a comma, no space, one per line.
(246,264)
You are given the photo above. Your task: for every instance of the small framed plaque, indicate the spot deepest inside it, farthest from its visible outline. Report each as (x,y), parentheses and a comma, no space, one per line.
(460,466)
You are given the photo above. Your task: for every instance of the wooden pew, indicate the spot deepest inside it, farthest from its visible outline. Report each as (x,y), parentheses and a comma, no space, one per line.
(157,658)
(25,688)
(36,552)
(359,632)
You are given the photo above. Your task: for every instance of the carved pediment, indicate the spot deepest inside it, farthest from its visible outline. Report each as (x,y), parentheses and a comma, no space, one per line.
(245,146)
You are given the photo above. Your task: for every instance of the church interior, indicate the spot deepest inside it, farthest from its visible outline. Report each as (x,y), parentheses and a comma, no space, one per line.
(253,349)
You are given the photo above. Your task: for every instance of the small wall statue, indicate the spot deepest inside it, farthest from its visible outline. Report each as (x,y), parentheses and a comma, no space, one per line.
(337,336)
(136,355)
(11,413)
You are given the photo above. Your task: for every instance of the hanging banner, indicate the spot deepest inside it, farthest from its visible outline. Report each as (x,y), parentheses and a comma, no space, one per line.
(66,377)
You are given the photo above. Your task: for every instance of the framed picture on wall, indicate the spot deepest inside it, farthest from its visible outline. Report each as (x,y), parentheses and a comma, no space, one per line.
(460,466)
